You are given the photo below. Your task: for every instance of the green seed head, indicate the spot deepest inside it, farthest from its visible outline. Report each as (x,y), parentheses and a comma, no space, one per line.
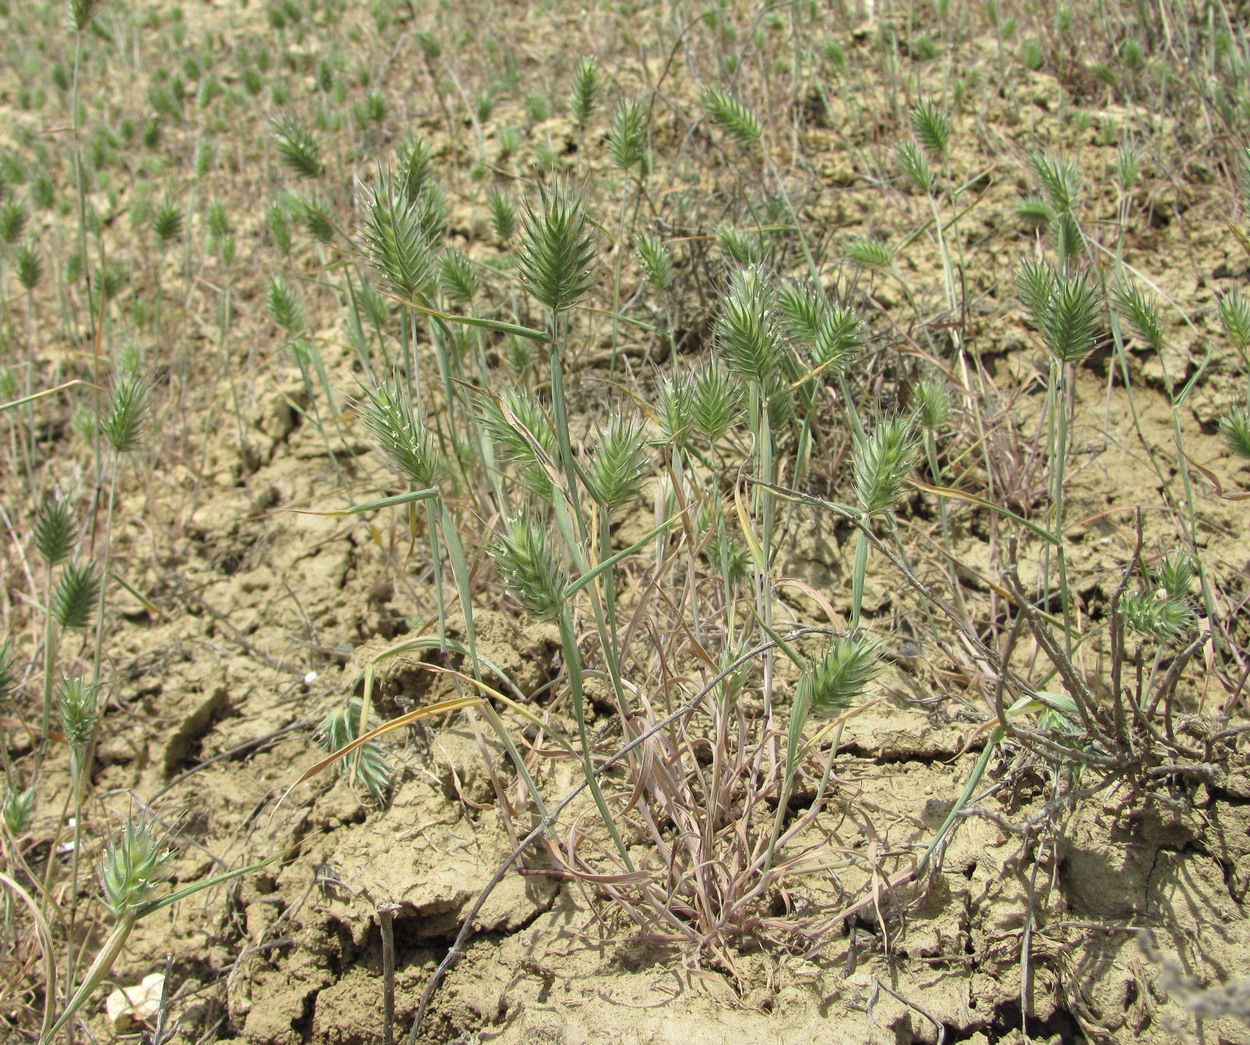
(1235,315)
(400,235)
(1127,166)
(132,866)
(167,223)
(619,464)
(82,12)
(124,421)
(12,221)
(1176,573)
(1073,319)
(933,128)
(457,277)
(717,402)
(1158,615)
(933,403)
(8,677)
(882,462)
(655,261)
(76,595)
(368,763)
(732,116)
(1141,313)
(502,215)
(585,94)
(54,532)
(802,309)
(1235,429)
(746,331)
(914,164)
(556,252)
(1059,180)
(521,434)
(284,306)
(868,253)
(840,677)
(416,169)
(403,442)
(675,410)
(29,266)
(627,138)
(526,565)
(298,147)
(839,338)
(77,703)
(19,810)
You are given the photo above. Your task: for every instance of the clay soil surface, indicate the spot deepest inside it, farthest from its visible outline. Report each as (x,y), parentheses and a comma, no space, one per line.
(1068,904)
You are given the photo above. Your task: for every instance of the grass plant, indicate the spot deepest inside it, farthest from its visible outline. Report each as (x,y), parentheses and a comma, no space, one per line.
(612,349)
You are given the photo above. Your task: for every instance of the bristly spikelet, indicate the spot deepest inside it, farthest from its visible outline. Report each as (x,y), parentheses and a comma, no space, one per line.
(315,217)
(8,677)
(278,223)
(742,248)
(801,307)
(19,810)
(933,128)
(400,235)
(1235,315)
(839,338)
(675,410)
(840,677)
(627,137)
(167,222)
(1142,314)
(284,306)
(1036,211)
(556,251)
(404,443)
(617,467)
(29,266)
(1058,178)
(76,701)
(585,94)
(883,460)
(1035,286)
(655,261)
(12,221)
(1176,573)
(76,595)
(731,115)
(367,763)
(717,402)
(132,866)
(81,13)
(1235,430)
(1158,616)
(933,403)
(54,532)
(914,164)
(1072,319)
(502,216)
(746,332)
(521,434)
(124,418)
(526,565)
(1243,181)
(1127,166)
(457,277)
(869,253)
(297,147)
(414,168)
